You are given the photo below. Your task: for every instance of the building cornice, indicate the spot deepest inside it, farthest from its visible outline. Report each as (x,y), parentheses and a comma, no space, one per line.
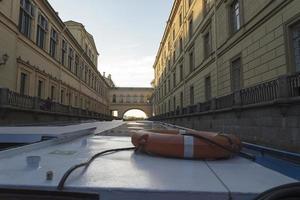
(167,29)
(68,32)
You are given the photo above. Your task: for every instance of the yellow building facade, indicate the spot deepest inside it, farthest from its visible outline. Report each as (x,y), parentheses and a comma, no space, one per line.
(212,48)
(44,57)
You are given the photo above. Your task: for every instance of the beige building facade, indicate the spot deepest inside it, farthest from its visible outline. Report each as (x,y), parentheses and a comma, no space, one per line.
(44,57)
(212,48)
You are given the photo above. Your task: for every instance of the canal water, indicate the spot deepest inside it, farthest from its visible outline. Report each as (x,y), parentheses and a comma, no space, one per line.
(129,127)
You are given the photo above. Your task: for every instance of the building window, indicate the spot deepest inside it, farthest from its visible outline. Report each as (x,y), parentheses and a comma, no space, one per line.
(26,16)
(191,31)
(236,74)
(40,89)
(174,103)
(180,45)
(76,101)
(63,52)
(53,43)
(76,64)
(207,44)
(90,78)
(180,19)
(70,95)
(52,93)
(81,71)
(181,100)
(235,16)
(296,45)
(174,79)
(128,99)
(192,97)
(207,88)
(181,73)
(174,33)
(62,96)
(192,60)
(86,75)
(41,31)
(207,4)
(174,57)
(70,58)
(24,84)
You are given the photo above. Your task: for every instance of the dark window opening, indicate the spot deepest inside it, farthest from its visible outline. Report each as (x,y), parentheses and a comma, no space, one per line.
(208,88)
(296,45)
(192,97)
(235,16)
(207,45)
(236,81)
(52,92)
(26,16)
(192,61)
(63,52)
(53,43)
(40,89)
(23,84)
(70,58)
(41,31)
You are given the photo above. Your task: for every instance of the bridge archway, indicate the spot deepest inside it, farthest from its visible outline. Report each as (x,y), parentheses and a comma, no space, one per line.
(125,99)
(120,110)
(134,113)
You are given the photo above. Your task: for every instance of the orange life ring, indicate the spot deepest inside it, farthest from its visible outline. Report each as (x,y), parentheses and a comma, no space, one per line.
(189,144)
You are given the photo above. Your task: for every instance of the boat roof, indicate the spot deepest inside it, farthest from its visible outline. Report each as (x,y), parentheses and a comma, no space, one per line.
(131,175)
(32,134)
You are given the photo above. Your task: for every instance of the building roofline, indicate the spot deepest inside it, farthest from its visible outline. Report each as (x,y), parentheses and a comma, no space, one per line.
(167,29)
(55,15)
(138,88)
(88,35)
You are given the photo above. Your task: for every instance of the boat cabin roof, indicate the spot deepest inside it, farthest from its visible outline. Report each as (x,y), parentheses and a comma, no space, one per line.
(131,175)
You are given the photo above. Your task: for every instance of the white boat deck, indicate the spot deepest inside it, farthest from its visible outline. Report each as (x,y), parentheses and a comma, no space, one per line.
(31,134)
(131,176)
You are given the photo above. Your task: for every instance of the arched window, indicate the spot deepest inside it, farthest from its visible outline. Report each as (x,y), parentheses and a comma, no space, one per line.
(128,99)
(135,100)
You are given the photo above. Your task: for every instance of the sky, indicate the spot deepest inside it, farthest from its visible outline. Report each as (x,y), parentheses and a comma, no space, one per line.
(127,34)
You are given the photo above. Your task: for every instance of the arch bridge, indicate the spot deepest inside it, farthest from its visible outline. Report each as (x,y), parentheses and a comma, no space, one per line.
(123,99)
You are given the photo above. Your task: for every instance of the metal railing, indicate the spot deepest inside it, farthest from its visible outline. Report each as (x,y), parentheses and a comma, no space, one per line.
(204,107)
(285,87)
(225,101)
(294,85)
(20,100)
(11,99)
(261,93)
